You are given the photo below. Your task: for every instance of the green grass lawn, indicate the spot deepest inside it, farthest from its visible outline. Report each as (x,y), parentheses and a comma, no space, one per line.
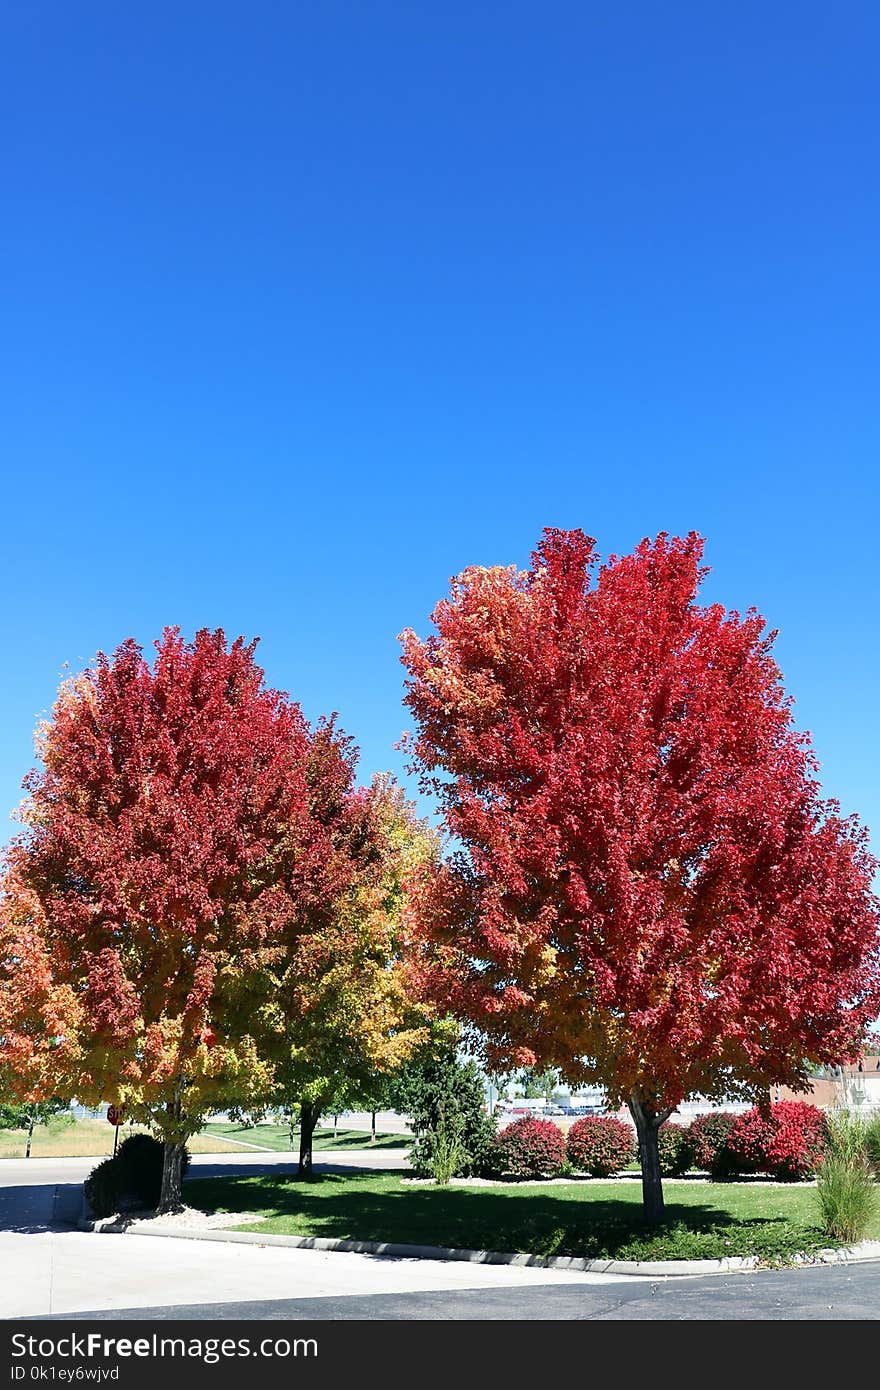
(705,1220)
(277,1137)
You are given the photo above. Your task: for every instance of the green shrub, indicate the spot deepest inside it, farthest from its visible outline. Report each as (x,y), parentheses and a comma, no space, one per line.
(847,1198)
(675,1150)
(132,1178)
(437,1083)
(103,1188)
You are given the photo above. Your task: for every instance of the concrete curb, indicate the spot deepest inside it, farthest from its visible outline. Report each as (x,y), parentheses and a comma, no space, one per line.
(733,1264)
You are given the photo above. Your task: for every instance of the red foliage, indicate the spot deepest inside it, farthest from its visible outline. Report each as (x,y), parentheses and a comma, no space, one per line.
(649,869)
(187,820)
(600,1145)
(789,1141)
(530,1148)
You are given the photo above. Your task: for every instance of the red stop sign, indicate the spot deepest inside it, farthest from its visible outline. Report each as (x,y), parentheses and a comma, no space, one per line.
(115,1114)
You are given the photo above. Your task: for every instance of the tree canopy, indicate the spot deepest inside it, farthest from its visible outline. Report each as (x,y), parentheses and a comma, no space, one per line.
(651,893)
(185,819)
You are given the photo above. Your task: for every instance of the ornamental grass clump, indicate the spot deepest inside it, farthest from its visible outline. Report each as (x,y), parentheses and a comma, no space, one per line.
(847,1198)
(872,1143)
(449,1153)
(849,1135)
(846,1193)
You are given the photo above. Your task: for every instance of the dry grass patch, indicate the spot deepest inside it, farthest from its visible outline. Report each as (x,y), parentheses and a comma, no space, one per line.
(90,1139)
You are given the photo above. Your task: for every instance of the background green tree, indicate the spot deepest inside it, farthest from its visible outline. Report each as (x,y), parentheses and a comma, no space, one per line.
(31,1114)
(444,1097)
(539,1084)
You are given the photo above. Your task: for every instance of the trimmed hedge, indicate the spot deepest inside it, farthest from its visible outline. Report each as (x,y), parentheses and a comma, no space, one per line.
(132,1178)
(140,1158)
(103,1188)
(600,1145)
(530,1148)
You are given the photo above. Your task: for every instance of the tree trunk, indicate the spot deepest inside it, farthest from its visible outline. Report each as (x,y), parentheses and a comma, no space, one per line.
(647,1123)
(170,1197)
(27,1152)
(373,1127)
(308,1118)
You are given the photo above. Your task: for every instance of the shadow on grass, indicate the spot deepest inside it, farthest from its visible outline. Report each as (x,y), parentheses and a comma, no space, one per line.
(356,1139)
(362,1207)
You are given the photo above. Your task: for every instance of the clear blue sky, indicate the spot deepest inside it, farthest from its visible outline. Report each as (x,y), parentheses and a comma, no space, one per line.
(307,306)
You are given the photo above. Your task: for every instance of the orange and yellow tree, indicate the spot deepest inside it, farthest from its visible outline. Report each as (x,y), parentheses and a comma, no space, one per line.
(333,996)
(650,892)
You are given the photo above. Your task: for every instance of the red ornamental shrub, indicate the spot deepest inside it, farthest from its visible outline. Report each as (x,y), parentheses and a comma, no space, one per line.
(707,1137)
(675,1150)
(789,1142)
(531,1148)
(600,1145)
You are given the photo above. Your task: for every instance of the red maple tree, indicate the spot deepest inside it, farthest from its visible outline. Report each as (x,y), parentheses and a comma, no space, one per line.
(186,820)
(651,893)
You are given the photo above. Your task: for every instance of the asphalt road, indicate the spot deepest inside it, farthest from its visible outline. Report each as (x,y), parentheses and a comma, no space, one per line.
(828,1293)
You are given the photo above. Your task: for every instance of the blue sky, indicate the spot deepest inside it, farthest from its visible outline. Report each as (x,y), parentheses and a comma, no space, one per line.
(310,305)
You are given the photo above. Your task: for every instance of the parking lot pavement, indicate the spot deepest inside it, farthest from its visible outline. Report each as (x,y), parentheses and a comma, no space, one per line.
(828,1294)
(73,1273)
